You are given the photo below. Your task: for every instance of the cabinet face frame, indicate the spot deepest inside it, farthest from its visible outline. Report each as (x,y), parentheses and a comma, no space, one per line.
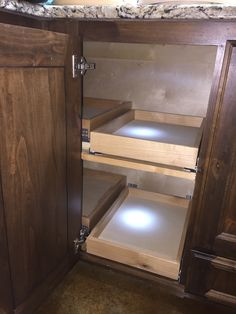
(182,32)
(218,209)
(173,32)
(221,239)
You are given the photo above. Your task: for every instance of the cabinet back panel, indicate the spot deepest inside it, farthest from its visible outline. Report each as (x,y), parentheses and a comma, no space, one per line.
(165,78)
(33,168)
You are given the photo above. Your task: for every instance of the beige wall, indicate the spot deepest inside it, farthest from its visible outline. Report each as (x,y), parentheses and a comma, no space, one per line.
(163,78)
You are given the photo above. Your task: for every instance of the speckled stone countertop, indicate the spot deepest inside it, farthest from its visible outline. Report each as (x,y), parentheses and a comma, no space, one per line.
(157,11)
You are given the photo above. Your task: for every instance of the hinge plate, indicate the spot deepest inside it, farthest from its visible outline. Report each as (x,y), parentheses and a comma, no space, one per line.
(80,66)
(78,242)
(189,197)
(196,169)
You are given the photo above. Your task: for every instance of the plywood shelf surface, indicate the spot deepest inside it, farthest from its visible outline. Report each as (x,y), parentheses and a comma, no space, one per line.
(150,136)
(100,189)
(143,229)
(160,132)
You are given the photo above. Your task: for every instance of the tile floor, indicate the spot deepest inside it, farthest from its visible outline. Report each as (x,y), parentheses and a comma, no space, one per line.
(93,289)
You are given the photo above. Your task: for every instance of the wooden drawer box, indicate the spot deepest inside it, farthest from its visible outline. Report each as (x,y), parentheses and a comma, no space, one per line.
(99,111)
(151,136)
(100,189)
(143,229)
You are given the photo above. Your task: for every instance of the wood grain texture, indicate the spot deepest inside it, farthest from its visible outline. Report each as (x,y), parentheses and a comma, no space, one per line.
(134,258)
(144,150)
(74,93)
(165,283)
(6,297)
(224,263)
(220,72)
(41,292)
(218,206)
(175,119)
(15,18)
(187,32)
(221,297)
(164,31)
(33,168)
(115,124)
(107,140)
(137,165)
(213,277)
(23,46)
(73,100)
(98,243)
(96,112)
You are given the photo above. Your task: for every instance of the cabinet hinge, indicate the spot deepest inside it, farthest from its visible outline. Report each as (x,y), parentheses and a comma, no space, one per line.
(83,234)
(179,275)
(80,66)
(196,168)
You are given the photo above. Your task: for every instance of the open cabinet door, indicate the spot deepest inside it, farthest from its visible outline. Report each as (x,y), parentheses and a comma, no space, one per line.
(5,283)
(40,195)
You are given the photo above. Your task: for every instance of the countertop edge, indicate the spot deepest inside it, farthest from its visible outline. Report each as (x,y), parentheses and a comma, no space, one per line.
(145,12)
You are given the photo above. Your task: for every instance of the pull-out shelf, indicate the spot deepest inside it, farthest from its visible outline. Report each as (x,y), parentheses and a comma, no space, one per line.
(151,136)
(100,190)
(144,230)
(139,165)
(99,111)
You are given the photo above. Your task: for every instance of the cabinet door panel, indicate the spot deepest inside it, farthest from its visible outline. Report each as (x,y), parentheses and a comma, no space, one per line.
(213,277)
(216,230)
(73,112)
(224,166)
(23,46)
(37,105)
(212,268)
(5,283)
(33,166)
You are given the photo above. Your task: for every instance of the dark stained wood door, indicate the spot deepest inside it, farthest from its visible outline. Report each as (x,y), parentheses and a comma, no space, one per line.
(213,268)
(223,167)
(6,301)
(34,154)
(217,233)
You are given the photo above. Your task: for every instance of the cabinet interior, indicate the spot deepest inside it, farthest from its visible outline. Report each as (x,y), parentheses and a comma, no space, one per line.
(168,82)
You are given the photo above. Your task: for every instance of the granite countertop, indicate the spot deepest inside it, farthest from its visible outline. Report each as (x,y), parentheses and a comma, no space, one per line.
(157,11)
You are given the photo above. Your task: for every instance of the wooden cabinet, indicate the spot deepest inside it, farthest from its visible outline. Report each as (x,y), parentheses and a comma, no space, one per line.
(6,300)
(33,166)
(208,265)
(212,271)
(40,164)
